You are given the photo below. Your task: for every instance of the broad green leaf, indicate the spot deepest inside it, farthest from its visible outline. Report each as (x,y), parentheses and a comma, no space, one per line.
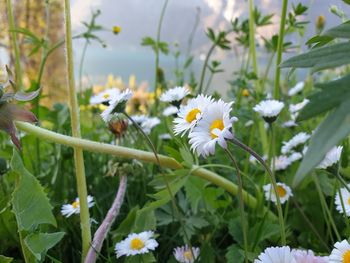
(39,243)
(194,188)
(330,96)
(334,128)
(321,58)
(29,201)
(4,259)
(341,31)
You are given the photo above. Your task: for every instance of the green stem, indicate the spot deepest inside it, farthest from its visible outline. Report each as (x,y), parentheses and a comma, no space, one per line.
(277,91)
(241,206)
(78,152)
(267,70)
(205,64)
(18,69)
(252,46)
(82,63)
(144,156)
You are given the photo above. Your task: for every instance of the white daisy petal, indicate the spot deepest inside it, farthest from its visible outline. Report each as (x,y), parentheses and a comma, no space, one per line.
(284,192)
(69,209)
(171,110)
(184,255)
(343,199)
(269,109)
(331,158)
(297,140)
(276,255)
(340,253)
(296,89)
(175,94)
(123,97)
(105,96)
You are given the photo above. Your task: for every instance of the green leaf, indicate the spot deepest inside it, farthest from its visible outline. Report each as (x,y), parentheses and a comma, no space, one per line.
(334,128)
(341,31)
(29,201)
(194,188)
(4,259)
(331,95)
(321,58)
(39,243)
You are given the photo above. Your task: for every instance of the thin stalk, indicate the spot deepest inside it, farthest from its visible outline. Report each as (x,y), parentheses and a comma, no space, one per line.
(78,152)
(208,83)
(18,69)
(273,182)
(241,205)
(267,70)
(205,64)
(165,161)
(157,53)
(252,46)
(277,91)
(81,64)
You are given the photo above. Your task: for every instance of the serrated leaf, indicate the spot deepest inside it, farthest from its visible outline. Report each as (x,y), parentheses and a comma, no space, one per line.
(321,58)
(39,243)
(341,31)
(29,201)
(194,188)
(186,156)
(331,95)
(334,128)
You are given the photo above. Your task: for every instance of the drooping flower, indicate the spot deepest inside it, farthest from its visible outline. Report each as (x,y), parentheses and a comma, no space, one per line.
(343,199)
(308,256)
(214,127)
(189,115)
(135,244)
(117,105)
(184,255)
(175,95)
(296,89)
(293,108)
(276,255)
(105,96)
(340,253)
(281,162)
(149,123)
(331,158)
(269,109)
(171,110)
(284,192)
(297,140)
(74,208)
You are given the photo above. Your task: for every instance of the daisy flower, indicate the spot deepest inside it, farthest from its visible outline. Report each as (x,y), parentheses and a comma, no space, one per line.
(345,196)
(175,95)
(308,256)
(284,192)
(184,255)
(117,105)
(149,123)
(188,115)
(297,140)
(293,108)
(214,127)
(281,162)
(164,136)
(269,109)
(136,244)
(171,110)
(276,255)
(296,89)
(340,253)
(74,208)
(331,158)
(138,118)
(295,156)
(289,124)
(105,96)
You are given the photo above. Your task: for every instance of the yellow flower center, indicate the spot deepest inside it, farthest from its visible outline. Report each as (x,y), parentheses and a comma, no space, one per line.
(191,116)
(116,29)
(188,255)
(137,244)
(106,96)
(245,93)
(75,204)
(281,191)
(216,124)
(346,257)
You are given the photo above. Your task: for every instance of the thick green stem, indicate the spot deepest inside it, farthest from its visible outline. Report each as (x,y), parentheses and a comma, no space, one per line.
(277,91)
(78,152)
(14,43)
(164,161)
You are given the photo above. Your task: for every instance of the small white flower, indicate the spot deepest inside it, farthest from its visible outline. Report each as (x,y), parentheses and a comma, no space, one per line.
(105,96)
(332,157)
(269,109)
(165,136)
(171,110)
(296,89)
(149,123)
(276,255)
(345,196)
(174,95)
(136,244)
(284,192)
(214,127)
(189,114)
(117,105)
(184,255)
(138,119)
(69,209)
(281,162)
(295,156)
(289,124)
(298,139)
(340,253)
(293,108)
(308,256)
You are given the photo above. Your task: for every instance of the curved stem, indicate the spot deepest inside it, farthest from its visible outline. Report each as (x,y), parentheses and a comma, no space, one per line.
(78,152)
(277,91)
(164,161)
(102,231)
(201,82)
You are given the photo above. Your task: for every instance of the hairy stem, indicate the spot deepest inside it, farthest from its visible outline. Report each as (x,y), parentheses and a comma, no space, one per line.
(78,152)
